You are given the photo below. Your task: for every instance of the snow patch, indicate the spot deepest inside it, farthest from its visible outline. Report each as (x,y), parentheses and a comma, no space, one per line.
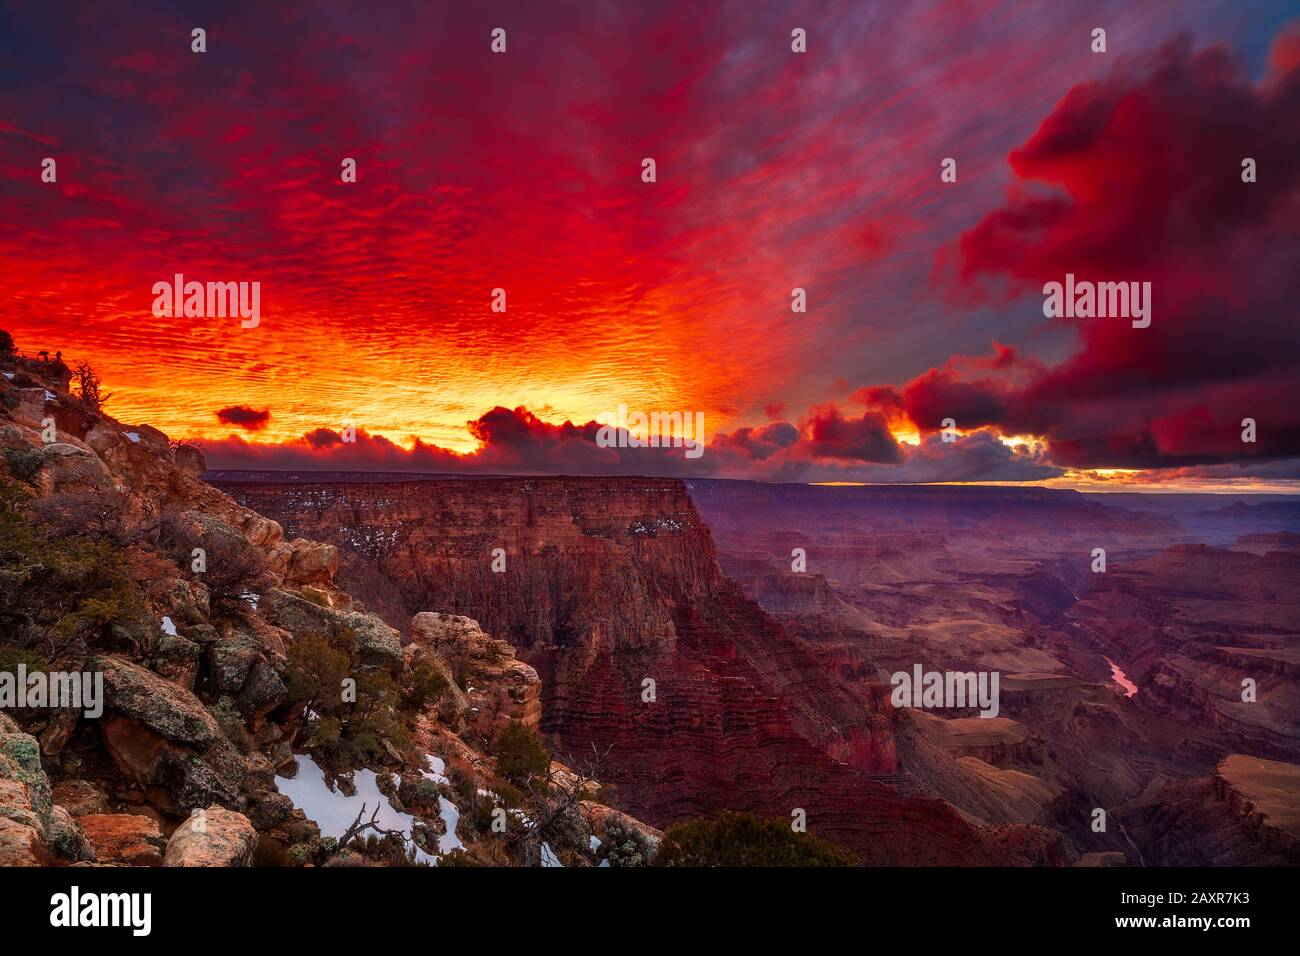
(168,627)
(439,772)
(134,436)
(450,814)
(333,811)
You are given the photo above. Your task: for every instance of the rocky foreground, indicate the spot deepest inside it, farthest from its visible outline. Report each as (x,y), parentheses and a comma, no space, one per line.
(200,616)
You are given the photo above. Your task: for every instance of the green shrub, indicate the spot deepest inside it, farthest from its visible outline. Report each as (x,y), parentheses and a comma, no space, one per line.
(626,845)
(422,685)
(344,734)
(520,752)
(24,463)
(300,854)
(741,839)
(61,594)
(11,657)
(456,857)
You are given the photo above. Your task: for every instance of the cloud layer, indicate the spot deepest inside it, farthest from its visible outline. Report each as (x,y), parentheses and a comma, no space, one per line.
(776,171)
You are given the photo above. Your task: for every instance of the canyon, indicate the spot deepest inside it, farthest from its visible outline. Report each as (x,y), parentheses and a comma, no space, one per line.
(715,645)
(770,684)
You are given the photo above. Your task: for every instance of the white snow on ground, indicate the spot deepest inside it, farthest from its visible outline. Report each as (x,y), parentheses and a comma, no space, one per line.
(8,375)
(50,396)
(168,627)
(333,811)
(450,814)
(439,773)
(251,597)
(134,436)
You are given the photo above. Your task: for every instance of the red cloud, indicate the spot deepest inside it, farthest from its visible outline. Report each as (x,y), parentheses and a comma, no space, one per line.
(830,447)
(865,439)
(1148,165)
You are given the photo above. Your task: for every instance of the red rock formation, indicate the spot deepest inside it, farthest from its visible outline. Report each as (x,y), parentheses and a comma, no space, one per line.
(503,688)
(1247,813)
(608,584)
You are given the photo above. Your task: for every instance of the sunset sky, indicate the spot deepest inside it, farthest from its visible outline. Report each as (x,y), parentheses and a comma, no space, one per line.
(775,170)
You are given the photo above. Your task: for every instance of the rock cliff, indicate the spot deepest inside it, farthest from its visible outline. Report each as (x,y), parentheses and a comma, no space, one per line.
(611,590)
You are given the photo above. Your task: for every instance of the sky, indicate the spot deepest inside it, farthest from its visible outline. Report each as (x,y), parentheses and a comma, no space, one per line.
(522,170)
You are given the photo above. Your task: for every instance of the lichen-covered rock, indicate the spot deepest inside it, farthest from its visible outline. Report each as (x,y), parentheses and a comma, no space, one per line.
(20,843)
(262,692)
(376,643)
(230,660)
(189,459)
(212,837)
(176,658)
(25,798)
(20,761)
(126,839)
(67,840)
(155,703)
(164,739)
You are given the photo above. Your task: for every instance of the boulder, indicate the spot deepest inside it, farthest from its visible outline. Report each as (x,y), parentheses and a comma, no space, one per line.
(376,643)
(25,806)
(176,658)
(66,839)
(126,839)
(20,843)
(189,459)
(212,837)
(20,762)
(70,468)
(155,703)
(58,728)
(31,404)
(302,562)
(230,660)
(162,738)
